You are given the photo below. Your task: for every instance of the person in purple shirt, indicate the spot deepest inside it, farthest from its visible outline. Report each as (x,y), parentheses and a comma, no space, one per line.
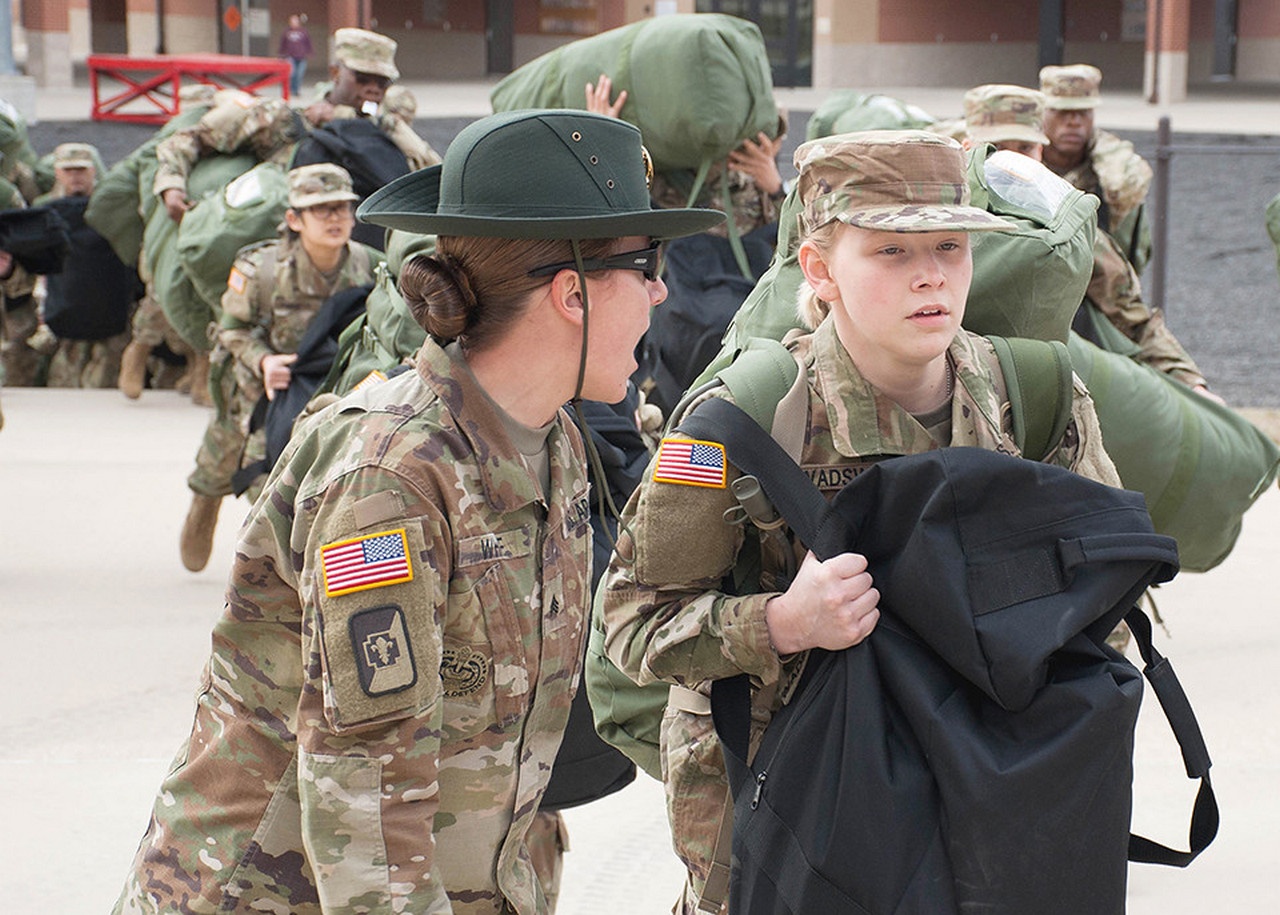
(295,44)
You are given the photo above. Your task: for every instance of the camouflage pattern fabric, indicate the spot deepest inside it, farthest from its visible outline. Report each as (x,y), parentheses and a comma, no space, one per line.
(273,293)
(267,128)
(666,617)
(858,178)
(1121,178)
(365,746)
(366,52)
(1071,87)
(20,319)
(1117,291)
(998,113)
(86,363)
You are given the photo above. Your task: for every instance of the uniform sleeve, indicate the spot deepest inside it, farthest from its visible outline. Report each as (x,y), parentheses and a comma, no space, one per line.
(1116,290)
(1082,448)
(666,616)
(370,715)
(243,329)
(176,156)
(416,150)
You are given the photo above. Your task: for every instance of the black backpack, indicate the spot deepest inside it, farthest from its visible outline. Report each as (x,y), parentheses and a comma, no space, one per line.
(705,288)
(368,154)
(38,238)
(975,752)
(91,296)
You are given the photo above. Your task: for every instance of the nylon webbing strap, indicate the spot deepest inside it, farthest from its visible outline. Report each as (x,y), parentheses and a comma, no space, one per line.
(788,488)
(1037,376)
(1195,756)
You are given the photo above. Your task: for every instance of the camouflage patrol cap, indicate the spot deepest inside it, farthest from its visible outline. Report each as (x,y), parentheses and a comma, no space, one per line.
(536,173)
(1072,87)
(998,113)
(75,155)
(324,182)
(366,52)
(888,180)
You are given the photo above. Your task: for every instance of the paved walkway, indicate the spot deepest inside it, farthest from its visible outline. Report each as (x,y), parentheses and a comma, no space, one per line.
(105,635)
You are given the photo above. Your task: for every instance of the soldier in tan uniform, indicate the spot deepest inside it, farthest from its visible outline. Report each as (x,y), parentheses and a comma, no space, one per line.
(1012,117)
(274,290)
(1095,160)
(885,252)
(407,605)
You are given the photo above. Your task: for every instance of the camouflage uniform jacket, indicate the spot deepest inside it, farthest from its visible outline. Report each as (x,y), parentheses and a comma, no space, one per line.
(1120,178)
(273,292)
(376,737)
(237,124)
(1116,290)
(666,616)
(750,206)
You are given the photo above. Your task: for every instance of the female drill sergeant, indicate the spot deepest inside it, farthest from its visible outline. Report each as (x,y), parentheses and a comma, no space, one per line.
(885,252)
(405,612)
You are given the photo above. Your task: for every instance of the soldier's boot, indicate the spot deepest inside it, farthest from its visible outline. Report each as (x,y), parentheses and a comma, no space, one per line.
(197,531)
(133,369)
(200,395)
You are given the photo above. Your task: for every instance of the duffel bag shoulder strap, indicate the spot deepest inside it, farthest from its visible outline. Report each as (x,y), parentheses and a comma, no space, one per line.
(1037,375)
(1195,755)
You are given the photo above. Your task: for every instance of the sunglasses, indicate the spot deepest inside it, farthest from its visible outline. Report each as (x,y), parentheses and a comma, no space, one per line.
(647,260)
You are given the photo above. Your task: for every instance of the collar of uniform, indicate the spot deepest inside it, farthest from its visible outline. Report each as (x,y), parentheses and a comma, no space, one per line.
(864,422)
(481,426)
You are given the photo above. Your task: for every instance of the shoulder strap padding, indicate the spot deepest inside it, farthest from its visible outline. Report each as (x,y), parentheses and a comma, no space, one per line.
(1037,376)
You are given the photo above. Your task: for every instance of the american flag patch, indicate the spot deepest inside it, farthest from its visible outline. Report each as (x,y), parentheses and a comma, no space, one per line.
(690,463)
(236,281)
(377,376)
(365,562)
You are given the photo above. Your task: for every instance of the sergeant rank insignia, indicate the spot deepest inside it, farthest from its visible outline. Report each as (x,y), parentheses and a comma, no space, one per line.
(384,658)
(372,561)
(690,463)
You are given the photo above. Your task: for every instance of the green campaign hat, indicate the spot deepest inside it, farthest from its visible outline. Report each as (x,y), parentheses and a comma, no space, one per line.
(559,173)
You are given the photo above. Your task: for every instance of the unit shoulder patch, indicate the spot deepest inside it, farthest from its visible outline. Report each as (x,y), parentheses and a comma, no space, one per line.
(383,655)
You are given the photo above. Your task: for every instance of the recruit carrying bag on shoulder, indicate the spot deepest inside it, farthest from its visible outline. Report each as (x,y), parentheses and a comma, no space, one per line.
(93,294)
(762,381)
(697,84)
(974,753)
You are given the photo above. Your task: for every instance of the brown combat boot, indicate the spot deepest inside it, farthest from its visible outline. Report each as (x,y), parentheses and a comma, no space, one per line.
(197,531)
(133,369)
(199,373)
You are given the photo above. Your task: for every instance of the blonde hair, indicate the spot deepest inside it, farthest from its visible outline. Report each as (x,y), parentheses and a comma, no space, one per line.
(809,307)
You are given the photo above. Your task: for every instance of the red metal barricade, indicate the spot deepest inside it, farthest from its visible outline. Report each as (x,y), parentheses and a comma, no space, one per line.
(144,90)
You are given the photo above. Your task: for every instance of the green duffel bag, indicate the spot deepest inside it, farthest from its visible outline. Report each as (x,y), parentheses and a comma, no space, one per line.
(387,333)
(122,201)
(847,110)
(697,84)
(1199,464)
(1029,280)
(249,209)
(185,308)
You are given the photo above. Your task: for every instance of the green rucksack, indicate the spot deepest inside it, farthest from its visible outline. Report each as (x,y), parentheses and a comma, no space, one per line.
(764,381)
(247,210)
(122,200)
(847,110)
(1199,464)
(185,308)
(697,84)
(387,333)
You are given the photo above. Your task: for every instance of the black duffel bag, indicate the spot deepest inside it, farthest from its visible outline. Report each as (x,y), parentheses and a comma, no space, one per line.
(92,296)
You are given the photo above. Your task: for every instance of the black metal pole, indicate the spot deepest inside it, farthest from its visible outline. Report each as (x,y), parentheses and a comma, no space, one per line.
(1160,206)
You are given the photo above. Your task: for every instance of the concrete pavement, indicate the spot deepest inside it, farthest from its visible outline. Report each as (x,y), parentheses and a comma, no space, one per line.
(105,633)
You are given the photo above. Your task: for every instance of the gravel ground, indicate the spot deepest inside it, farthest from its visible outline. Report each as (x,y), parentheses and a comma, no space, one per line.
(1222,289)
